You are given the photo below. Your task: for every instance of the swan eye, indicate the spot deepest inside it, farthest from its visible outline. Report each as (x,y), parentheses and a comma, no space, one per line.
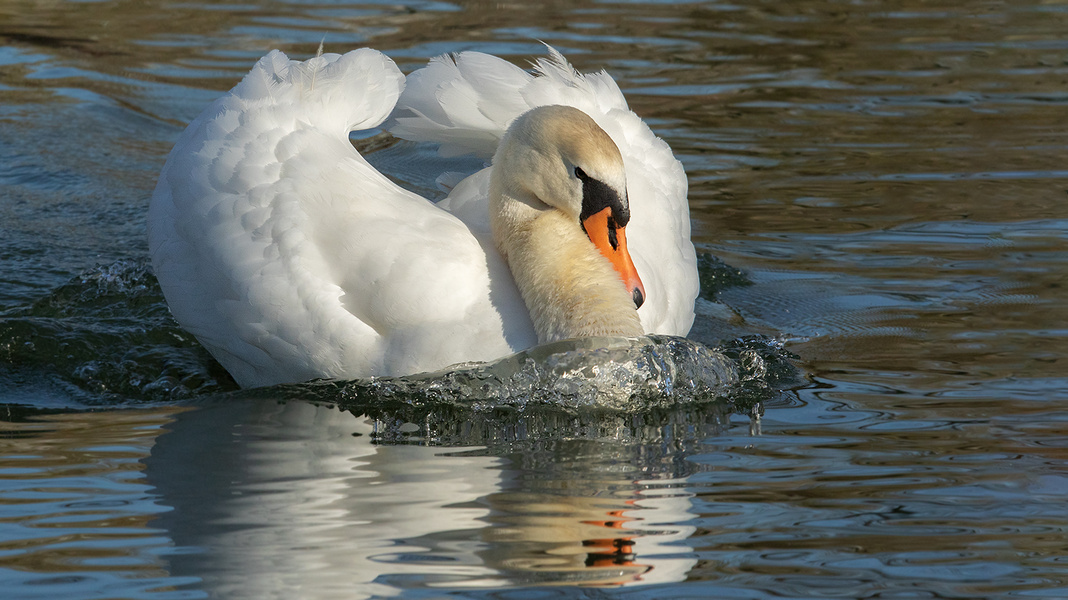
(581,174)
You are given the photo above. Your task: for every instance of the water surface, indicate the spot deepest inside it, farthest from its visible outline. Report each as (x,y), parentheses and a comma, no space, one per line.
(877,188)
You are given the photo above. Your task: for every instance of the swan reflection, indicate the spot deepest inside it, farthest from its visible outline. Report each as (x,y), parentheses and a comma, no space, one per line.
(288,499)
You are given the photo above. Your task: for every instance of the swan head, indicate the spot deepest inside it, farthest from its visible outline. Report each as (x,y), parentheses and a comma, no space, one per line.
(558,180)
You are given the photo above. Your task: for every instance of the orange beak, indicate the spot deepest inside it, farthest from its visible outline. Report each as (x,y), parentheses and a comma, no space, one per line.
(612,242)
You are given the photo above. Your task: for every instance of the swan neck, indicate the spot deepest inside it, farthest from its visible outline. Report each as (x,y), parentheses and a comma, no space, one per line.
(569,287)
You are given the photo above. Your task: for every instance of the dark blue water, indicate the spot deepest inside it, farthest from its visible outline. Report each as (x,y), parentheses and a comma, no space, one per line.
(877,190)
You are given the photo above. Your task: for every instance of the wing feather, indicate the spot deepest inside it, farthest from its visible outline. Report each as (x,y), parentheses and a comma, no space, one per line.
(290,258)
(465,102)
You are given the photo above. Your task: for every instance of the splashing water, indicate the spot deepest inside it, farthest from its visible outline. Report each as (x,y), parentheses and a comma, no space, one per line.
(107,337)
(610,373)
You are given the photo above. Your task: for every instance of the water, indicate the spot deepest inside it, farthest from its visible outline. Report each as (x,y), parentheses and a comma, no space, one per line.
(876,187)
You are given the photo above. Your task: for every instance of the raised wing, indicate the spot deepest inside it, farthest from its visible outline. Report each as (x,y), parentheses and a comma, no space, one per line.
(290,257)
(466,102)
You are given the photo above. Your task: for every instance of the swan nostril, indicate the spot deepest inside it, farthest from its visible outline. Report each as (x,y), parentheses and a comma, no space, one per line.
(639,299)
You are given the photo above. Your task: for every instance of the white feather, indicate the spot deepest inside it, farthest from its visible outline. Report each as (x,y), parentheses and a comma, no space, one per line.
(466,102)
(290,258)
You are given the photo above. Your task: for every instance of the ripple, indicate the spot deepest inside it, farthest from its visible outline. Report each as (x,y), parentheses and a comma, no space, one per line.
(108,337)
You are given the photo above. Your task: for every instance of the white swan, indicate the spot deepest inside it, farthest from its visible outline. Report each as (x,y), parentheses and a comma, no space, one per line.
(290,258)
